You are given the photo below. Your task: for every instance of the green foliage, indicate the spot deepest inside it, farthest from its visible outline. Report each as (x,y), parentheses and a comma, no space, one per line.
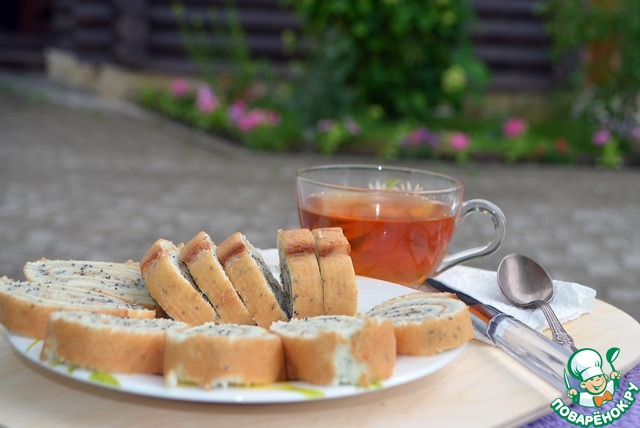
(217,45)
(610,156)
(605,36)
(407,56)
(319,88)
(174,107)
(279,134)
(375,73)
(285,136)
(561,140)
(332,135)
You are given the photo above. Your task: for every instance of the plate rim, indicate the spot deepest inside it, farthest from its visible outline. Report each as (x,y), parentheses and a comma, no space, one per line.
(370,292)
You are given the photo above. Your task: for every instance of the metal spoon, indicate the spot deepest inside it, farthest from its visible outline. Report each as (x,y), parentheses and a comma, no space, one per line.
(525,283)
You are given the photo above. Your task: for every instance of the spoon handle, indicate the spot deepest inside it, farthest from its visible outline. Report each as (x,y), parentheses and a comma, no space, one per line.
(559,334)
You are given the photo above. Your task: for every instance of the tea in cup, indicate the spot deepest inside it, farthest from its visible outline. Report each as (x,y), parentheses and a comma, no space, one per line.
(398,221)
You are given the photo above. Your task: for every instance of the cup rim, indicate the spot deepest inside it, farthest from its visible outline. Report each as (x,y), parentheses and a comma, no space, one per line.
(456,184)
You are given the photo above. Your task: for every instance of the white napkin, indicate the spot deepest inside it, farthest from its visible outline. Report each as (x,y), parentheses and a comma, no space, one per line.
(571,300)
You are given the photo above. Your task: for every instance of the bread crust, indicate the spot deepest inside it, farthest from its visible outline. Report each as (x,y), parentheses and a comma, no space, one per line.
(235,255)
(377,346)
(446,323)
(97,346)
(313,358)
(199,254)
(175,292)
(340,292)
(230,359)
(25,307)
(300,272)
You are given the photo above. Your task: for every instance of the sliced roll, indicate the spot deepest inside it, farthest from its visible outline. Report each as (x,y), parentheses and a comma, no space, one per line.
(25,306)
(251,277)
(107,343)
(199,254)
(340,292)
(426,323)
(120,280)
(300,273)
(338,350)
(221,355)
(169,282)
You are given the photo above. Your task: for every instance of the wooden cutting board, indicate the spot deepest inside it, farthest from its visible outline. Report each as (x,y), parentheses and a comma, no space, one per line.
(482,388)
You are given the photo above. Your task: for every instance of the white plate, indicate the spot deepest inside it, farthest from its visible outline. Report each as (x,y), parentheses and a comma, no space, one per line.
(370,293)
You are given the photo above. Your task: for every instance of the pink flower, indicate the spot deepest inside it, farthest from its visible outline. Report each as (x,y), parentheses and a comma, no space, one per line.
(273,118)
(601,137)
(459,141)
(412,140)
(422,135)
(417,136)
(179,87)
(325,125)
(247,120)
(514,127)
(206,99)
(252,119)
(352,126)
(237,110)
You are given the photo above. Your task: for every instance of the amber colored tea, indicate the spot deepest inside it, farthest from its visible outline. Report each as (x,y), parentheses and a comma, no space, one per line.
(397,238)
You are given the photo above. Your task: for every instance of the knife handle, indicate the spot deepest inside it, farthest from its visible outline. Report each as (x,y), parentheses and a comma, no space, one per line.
(531,348)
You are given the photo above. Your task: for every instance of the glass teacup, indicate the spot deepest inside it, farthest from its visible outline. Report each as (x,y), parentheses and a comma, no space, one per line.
(399,221)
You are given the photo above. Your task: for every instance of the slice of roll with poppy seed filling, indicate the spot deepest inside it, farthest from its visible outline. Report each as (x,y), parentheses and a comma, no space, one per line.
(169,282)
(120,280)
(221,355)
(25,307)
(199,254)
(426,323)
(300,273)
(253,280)
(338,350)
(107,343)
(340,291)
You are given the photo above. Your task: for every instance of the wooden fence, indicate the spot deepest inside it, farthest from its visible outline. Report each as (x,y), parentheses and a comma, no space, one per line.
(144,34)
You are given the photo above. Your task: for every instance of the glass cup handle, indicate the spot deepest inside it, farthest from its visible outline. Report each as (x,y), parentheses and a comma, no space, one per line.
(499,225)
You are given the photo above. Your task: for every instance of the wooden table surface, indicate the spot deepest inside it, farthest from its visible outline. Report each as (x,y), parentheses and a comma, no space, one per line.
(483,387)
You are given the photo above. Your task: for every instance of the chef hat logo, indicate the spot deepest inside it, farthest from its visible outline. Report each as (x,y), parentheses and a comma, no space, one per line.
(585,364)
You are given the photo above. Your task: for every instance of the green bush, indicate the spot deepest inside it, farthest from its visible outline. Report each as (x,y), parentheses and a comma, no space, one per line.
(216,43)
(407,56)
(344,101)
(602,37)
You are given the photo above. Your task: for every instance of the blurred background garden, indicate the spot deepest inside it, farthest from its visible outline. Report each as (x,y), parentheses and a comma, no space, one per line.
(546,81)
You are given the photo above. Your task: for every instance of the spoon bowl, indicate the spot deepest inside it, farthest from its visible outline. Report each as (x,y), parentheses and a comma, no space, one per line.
(526,284)
(523,281)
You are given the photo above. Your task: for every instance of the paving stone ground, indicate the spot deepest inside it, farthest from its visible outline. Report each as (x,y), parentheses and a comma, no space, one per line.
(85,177)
